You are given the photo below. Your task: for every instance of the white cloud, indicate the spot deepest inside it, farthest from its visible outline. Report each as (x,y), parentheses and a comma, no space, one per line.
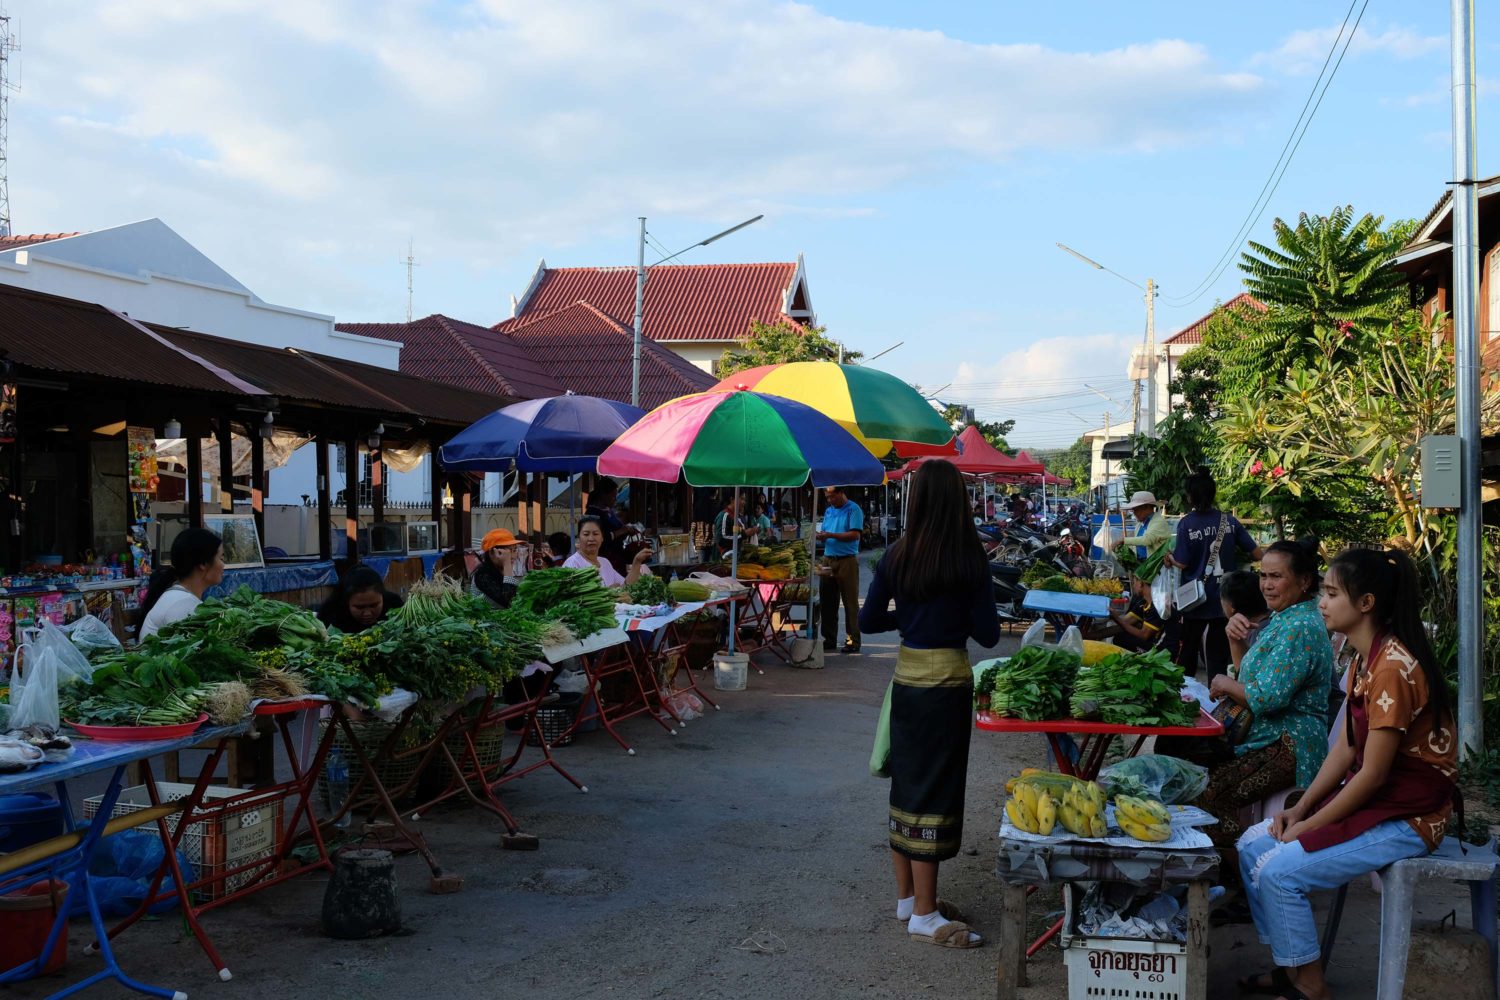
(1051,387)
(1303,52)
(500,125)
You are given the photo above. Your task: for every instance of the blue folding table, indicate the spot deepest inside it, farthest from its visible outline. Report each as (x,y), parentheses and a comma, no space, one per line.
(74,851)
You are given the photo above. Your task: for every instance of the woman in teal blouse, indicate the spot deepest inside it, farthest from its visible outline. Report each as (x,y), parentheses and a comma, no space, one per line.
(1284,680)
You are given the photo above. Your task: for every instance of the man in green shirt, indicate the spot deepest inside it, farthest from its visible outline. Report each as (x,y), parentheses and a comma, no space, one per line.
(1151,524)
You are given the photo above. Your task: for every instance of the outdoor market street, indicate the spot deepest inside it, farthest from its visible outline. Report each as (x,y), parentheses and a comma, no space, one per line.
(758,825)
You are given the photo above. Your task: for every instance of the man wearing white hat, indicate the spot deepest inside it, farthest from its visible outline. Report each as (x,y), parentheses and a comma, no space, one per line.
(1152,524)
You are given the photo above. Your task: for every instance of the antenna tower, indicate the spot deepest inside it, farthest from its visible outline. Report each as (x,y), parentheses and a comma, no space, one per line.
(410,262)
(7,46)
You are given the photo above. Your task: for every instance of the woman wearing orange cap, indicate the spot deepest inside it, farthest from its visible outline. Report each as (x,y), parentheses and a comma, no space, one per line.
(494,577)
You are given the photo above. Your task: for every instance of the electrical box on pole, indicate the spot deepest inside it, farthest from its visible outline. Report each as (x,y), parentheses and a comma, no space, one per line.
(1442,471)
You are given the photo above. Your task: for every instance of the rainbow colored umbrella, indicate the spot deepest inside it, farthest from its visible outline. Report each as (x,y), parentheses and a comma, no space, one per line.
(740,439)
(881,411)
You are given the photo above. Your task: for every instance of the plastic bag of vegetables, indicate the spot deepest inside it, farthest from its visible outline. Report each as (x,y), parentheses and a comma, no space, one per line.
(1156,776)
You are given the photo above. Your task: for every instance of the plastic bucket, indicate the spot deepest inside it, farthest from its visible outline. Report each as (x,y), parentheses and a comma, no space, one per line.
(731,671)
(27,819)
(26,918)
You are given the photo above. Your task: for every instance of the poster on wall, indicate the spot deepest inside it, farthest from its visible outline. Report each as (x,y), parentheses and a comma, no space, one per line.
(142,459)
(241,539)
(7,413)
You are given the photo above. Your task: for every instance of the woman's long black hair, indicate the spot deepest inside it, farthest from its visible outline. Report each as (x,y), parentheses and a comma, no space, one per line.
(1389,576)
(940,552)
(193,548)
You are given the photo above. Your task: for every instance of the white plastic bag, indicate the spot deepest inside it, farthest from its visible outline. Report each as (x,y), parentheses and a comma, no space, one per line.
(1035,633)
(1164,591)
(1072,639)
(1106,537)
(90,635)
(42,667)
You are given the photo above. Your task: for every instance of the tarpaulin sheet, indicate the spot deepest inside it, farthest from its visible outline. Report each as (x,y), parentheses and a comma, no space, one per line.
(276,579)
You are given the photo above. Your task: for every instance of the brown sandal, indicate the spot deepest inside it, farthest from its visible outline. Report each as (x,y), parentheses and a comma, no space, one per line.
(953,934)
(948,911)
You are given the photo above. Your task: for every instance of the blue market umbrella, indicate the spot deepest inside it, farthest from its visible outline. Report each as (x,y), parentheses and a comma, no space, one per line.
(556,434)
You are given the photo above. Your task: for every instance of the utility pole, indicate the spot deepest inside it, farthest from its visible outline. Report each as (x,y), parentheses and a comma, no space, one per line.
(1150,358)
(640,303)
(1466,377)
(410,262)
(7,46)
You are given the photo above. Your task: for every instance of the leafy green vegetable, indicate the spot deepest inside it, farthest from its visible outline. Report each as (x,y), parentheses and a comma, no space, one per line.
(1134,689)
(1034,683)
(648,589)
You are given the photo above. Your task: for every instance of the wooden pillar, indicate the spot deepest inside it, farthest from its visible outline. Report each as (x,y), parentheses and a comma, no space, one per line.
(195,480)
(539,508)
(325,508)
(351,499)
(259,486)
(455,516)
(465,506)
(523,502)
(435,477)
(15,505)
(377,486)
(83,515)
(226,466)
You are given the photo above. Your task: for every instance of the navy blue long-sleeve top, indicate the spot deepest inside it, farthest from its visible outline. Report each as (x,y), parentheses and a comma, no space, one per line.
(947,622)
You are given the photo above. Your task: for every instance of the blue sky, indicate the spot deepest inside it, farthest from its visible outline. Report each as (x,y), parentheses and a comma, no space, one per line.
(925,157)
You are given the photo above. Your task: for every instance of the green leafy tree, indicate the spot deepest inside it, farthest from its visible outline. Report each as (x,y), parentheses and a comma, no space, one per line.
(1349,434)
(1162,464)
(993,431)
(1327,272)
(1074,462)
(781,343)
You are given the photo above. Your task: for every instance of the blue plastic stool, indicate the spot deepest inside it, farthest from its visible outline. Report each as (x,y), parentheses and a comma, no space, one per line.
(1476,864)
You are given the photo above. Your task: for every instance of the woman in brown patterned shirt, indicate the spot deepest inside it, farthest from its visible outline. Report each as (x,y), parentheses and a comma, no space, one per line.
(1385,791)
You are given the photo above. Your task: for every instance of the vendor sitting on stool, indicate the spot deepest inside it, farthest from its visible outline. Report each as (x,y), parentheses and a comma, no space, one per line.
(361,601)
(1141,624)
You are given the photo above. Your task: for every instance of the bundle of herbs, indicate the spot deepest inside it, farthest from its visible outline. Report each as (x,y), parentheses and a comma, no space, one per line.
(1034,683)
(144,689)
(577,597)
(1133,689)
(246,619)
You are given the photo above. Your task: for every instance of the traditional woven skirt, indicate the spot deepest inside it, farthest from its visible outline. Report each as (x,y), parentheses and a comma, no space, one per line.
(932,705)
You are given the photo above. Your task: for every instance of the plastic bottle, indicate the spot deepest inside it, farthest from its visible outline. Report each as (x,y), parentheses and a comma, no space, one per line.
(336,771)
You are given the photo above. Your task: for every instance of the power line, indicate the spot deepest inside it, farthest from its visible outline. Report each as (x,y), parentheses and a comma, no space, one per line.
(1284,161)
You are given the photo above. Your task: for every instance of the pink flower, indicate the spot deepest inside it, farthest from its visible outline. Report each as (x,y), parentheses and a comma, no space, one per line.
(1255,469)
(1277,472)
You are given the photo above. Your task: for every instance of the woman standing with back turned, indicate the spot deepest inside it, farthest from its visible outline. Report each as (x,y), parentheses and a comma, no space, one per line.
(939,578)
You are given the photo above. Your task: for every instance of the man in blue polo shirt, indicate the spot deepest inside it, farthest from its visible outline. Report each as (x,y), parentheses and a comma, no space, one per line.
(843,522)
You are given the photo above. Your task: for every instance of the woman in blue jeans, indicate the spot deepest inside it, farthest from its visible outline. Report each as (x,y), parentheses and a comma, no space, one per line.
(1385,790)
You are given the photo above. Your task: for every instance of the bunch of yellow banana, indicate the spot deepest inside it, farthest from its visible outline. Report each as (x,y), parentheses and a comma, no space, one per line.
(1055,784)
(1032,809)
(1082,810)
(1143,819)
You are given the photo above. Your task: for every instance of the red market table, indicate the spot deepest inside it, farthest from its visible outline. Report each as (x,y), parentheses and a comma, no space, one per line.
(1096,739)
(1096,736)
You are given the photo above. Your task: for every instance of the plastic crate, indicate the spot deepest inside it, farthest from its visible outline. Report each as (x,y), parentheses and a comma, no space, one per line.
(229,836)
(1120,968)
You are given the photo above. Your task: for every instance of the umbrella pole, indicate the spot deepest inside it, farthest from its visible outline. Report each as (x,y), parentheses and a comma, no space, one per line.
(812,564)
(734,560)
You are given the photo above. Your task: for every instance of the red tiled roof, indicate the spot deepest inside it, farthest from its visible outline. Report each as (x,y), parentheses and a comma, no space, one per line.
(467,355)
(17,242)
(1193,332)
(591,354)
(714,302)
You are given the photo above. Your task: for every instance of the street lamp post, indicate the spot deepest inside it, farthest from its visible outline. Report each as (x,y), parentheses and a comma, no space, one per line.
(640,295)
(1148,426)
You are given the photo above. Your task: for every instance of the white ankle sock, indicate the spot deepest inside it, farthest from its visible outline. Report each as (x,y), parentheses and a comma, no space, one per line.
(925,923)
(905,906)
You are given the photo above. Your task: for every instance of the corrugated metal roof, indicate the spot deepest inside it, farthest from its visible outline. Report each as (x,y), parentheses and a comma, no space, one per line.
(17,242)
(53,334)
(463,354)
(713,302)
(1193,332)
(590,353)
(308,377)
